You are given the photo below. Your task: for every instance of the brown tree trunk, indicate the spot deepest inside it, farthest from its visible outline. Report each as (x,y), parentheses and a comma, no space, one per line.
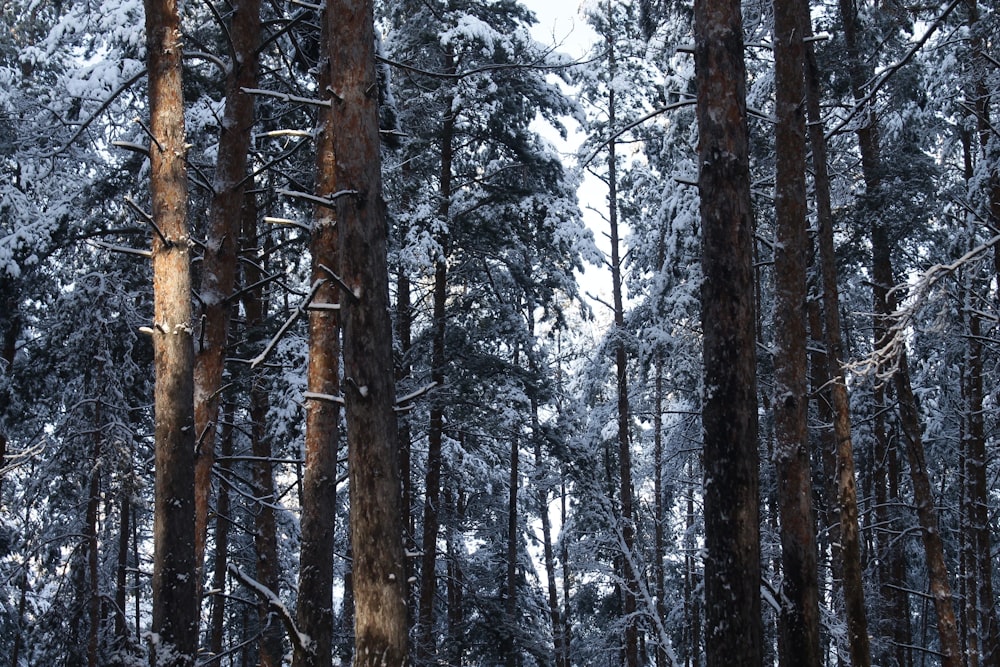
(847,499)
(989,630)
(218,267)
(629,583)
(799,589)
(510,649)
(314,613)
(733,633)
(376,516)
(265,533)
(426,645)
(93,507)
(216,625)
(883,275)
(175,613)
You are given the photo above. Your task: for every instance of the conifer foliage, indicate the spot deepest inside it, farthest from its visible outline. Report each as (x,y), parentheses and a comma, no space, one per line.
(386,333)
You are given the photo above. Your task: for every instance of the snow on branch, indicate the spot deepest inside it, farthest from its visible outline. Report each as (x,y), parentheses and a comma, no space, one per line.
(328,202)
(296,314)
(128,83)
(301,640)
(285,97)
(891,70)
(903,317)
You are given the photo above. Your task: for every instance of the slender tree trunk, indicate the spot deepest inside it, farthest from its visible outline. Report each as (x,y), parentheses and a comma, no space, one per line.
(376,515)
(510,649)
(93,508)
(218,272)
(426,645)
(175,613)
(885,305)
(729,413)
(659,511)
(800,588)
(847,500)
(629,583)
(454,499)
(223,522)
(989,631)
(319,490)
(121,569)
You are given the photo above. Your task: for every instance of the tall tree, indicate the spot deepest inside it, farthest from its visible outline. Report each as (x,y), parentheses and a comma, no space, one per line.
(733,632)
(378,571)
(219,262)
(175,618)
(799,587)
(314,612)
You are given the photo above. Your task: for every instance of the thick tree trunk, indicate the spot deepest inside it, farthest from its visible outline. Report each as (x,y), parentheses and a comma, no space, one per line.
(369,389)
(799,589)
(175,615)
(314,613)
(218,267)
(733,633)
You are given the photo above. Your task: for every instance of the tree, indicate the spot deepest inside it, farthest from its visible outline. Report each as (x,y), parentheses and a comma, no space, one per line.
(729,413)
(175,619)
(378,572)
(799,588)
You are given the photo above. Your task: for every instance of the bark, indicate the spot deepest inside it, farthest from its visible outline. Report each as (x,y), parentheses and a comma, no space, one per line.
(218,267)
(455,499)
(121,569)
(93,507)
(509,649)
(729,413)
(629,584)
(216,625)
(989,630)
(848,537)
(376,515)
(659,509)
(175,615)
(426,646)
(314,613)
(799,589)
(883,275)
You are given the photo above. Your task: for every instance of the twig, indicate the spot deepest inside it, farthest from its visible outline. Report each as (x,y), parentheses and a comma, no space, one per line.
(101,109)
(296,314)
(302,641)
(123,249)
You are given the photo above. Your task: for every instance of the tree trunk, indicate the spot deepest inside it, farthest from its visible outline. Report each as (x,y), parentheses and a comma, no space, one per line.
(426,645)
(319,485)
(847,499)
(218,267)
(799,589)
(223,522)
(175,614)
(629,583)
(121,569)
(733,633)
(93,508)
(883,279)
(369,396)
